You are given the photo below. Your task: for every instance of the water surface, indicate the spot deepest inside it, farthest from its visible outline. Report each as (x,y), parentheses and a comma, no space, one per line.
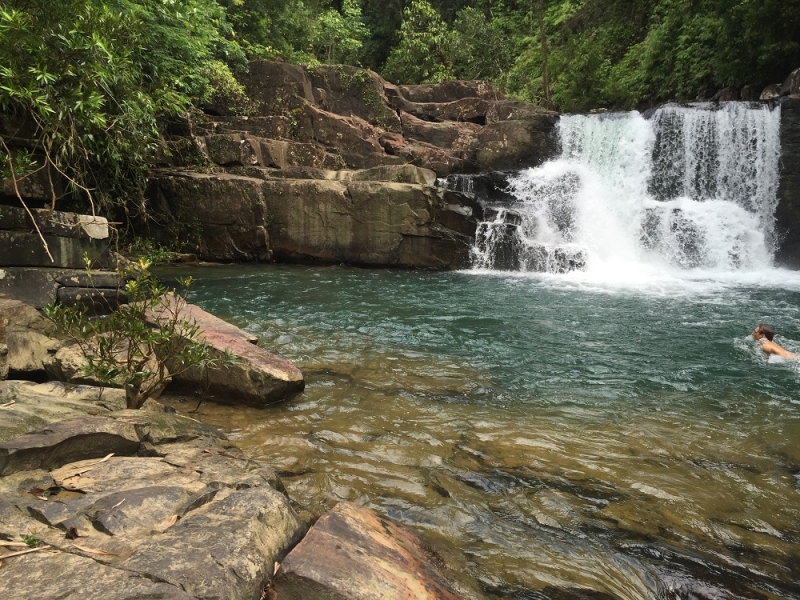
(551,433)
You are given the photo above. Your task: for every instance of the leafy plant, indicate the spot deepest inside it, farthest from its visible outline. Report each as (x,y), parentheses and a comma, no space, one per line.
(339,36)
(141,344)
(424,53)
(32,540)
(149,251)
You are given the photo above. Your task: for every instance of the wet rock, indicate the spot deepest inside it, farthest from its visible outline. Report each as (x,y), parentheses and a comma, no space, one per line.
(771,92)
(516,144)
(351,553)
(787,213)
(194,519)
(256,378)
(553,259)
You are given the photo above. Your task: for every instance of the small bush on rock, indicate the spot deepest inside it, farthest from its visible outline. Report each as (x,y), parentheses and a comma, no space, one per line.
(138,345)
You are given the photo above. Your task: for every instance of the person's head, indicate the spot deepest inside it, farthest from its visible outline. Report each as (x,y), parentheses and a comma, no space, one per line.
(763,331)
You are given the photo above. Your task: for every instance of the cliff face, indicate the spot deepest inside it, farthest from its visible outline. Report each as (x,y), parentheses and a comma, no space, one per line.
(337,165)
(787,215)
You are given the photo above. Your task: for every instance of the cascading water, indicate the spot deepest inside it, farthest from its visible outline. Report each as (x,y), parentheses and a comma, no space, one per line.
(689,188)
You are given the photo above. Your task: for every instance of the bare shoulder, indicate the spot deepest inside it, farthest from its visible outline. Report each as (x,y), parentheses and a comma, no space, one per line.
(773,348)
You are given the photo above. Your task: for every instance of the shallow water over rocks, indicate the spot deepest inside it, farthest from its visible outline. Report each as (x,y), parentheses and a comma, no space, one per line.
(561,438)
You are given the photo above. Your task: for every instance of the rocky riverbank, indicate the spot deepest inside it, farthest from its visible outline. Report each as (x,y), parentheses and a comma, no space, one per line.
(98,501)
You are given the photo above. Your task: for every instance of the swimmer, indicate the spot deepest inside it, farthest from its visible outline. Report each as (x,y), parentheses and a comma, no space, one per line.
(763,334)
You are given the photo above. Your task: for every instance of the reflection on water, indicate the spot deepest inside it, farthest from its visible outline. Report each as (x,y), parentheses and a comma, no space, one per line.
(632,444)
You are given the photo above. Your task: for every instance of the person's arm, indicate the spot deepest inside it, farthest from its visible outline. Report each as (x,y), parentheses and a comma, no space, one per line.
(773,348)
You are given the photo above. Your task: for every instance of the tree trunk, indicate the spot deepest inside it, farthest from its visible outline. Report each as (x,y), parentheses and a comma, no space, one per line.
(543,39)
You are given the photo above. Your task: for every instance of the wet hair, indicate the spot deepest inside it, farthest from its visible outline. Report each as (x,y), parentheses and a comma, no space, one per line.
(767,330)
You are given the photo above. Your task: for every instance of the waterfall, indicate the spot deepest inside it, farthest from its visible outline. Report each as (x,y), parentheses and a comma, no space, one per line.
(690,187)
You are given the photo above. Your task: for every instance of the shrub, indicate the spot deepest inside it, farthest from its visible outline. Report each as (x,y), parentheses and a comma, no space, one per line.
(141,344)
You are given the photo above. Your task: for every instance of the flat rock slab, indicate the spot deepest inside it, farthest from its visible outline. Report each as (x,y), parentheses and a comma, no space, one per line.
(52,574)
(183,516)
(27,406)
(82,437)
(258,378)
(353,554)
(225,549)
(66,441)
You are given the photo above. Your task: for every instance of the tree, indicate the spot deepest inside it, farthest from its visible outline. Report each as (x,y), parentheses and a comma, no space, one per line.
(424,52)
(339,36)
(82,83)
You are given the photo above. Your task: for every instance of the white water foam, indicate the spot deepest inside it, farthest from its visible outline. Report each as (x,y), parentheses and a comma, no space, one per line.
(687,195)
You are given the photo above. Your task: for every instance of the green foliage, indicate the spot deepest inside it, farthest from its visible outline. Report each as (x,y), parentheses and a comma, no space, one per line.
(224,92)
(339,36)
(139,344)
(271,29)
(424,52)
(91,77)
(32,540)
(144,250)
(598,53)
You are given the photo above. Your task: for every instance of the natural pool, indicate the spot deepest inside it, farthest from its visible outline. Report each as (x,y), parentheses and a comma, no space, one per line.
(620,435)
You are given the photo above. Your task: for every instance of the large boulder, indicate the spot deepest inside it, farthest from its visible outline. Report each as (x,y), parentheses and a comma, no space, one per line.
(256,378)
(29,337)
(791,87)
(353,554)
(225,549)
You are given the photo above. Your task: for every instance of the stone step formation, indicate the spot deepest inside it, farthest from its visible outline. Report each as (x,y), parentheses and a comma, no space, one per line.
(337,165)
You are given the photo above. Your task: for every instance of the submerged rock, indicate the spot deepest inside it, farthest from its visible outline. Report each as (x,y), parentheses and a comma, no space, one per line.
(353,554)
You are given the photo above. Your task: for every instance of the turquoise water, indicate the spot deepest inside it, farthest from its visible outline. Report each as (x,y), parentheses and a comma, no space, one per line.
(548,433)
